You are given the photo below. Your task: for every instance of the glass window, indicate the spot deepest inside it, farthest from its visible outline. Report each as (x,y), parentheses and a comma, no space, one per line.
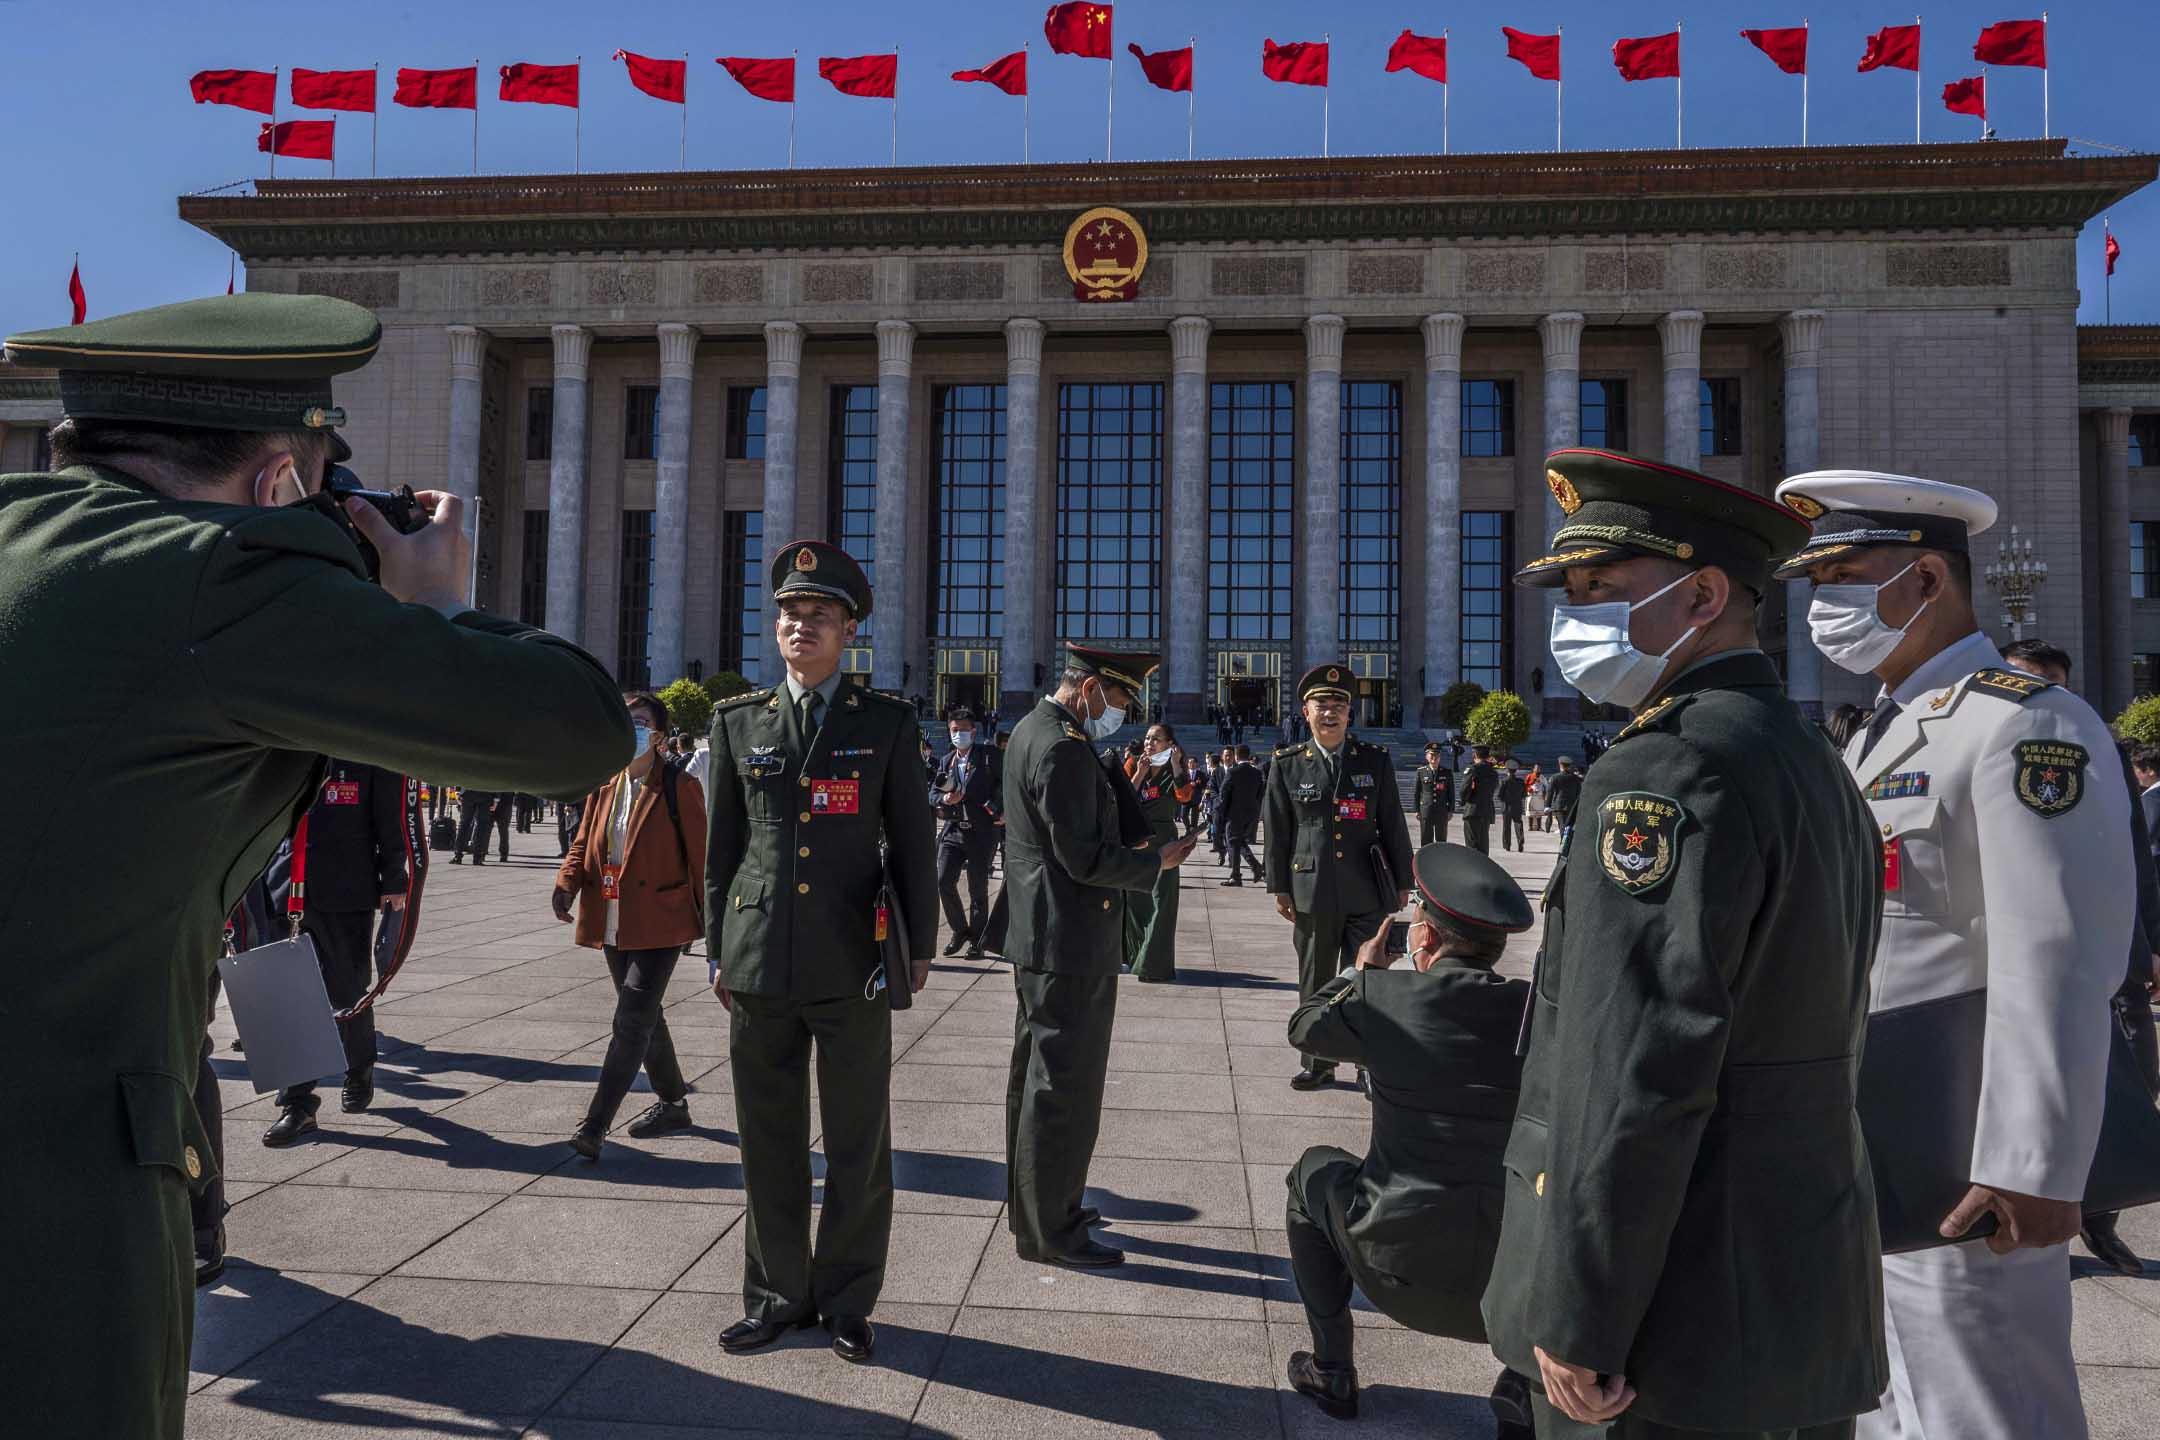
(2144,675)
(851,483)
(532,578)
(641,422)
(1602,414)
(1721,417)
(540,422)
(1252,464)
(967,539)
(2145,440)
(742,592)
(1109,511)
(634,596)
(1488,598)
(2144,556)
(1371,510)
(1488,418)
(746,422)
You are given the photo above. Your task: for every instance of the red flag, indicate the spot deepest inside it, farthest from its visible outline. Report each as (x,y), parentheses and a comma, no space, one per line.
(1079,29)
(1300,62)
(76,296)
(2013,42)
(301,139)
(249,89)
(1967,96)
(1652,57)
(540,85)
(873,76)
(334,89)
(1895,47)
(439,89)
(766,79)
(1787,47)
(1540,54)
(1166,69)
(2113,251)
(1424,54)
(1008,73)
(661,79)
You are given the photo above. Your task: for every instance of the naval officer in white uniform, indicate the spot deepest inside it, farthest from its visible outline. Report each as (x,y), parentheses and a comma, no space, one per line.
(2004,868)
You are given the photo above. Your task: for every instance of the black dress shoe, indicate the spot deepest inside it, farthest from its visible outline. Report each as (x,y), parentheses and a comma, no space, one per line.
(359,1091)
(751,1333)
(953,946)
(209,1256)
(975,950)
(660,1118)
(1087,1255)
(294,1122)
(1312,1077)
(853,1339)
(586,1141)
(457,859)
(1332,1387)
(1233,883)
(2107,1247)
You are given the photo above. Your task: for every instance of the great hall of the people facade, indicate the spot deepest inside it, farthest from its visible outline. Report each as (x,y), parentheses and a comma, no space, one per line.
(1309,422)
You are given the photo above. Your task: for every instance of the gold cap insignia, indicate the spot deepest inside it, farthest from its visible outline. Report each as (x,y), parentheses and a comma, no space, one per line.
(1804,507)
(1913,535)
(1563,490)
(318,417)
(806,559)
(1333,673)
(1684,551)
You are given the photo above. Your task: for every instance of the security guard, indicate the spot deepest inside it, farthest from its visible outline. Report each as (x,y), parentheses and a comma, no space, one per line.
(182,644)
(1433,797)
(1481,795)
(1338,850)
(1069,862)
(1415,1222)
(808,778)
(1689,1243)
(2000,824)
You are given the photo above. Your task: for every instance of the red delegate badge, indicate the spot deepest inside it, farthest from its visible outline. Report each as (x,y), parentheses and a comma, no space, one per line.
(1350,809)
(835,797)
(1891,881)
(611,882)
(341,792)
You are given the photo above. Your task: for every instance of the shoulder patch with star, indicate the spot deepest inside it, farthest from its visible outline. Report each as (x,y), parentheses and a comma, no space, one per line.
(2050,775)
(2009,684)
(1638,839)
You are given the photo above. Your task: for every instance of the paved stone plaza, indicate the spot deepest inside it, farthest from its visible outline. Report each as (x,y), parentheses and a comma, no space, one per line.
(445,1266)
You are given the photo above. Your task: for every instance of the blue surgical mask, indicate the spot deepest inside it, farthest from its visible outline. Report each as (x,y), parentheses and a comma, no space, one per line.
(1592,646)
(641,737)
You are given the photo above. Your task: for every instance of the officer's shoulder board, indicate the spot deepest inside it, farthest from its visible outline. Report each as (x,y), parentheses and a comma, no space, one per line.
(748,697)
(854,697)
(1286,751)
(2008,684)
(1658,716)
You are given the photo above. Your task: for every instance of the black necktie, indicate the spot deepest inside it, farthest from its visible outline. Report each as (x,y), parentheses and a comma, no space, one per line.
(1878,723)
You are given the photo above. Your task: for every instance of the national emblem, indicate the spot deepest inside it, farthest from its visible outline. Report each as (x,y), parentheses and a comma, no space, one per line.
(1563,490)
(1105,251)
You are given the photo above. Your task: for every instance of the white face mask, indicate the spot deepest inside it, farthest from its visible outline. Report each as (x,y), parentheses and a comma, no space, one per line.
(961,739)
(1847,623)
(1591,645)
(1160,757)
(1103,726)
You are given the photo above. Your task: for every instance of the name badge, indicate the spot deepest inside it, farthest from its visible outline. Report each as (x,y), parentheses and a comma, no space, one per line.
(1891,880)
(611,882)
(835,797)
(1153,792)
(341,792)
(1350,809)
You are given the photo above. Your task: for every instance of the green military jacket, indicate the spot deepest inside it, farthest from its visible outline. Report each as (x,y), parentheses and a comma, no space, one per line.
(1157,787)
(175,672)
(1434,791)
(1689,1201)
(1066,864)
(1320,836)
(1438,1049)
(792,859)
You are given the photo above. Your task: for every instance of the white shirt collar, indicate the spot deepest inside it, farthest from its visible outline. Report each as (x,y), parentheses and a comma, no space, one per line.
(1946,667)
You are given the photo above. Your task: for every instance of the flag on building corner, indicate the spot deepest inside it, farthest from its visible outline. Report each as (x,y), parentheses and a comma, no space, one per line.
(300,139)
(1007,72)
(1649,57)
(1539,54)
(334,89)
(1967,96)
(1079,29)
(439,89)
(2114,251)
(874,77)
(2013,42)
(1420,54)
(1295,62)
(661,79)
(1894,47)
(79,300)
(1166,69)
(248,89)
(766,79)
(1787,47)
(540,85)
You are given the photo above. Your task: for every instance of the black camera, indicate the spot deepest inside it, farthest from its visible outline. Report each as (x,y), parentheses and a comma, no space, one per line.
(400,507)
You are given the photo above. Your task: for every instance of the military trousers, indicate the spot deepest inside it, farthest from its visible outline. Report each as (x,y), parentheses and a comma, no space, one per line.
(1151,929)
(1327,943)
(1552,1425)
(1053,1104)
(1433,828)
(1321,1185)
(771,1041)
(1477,833)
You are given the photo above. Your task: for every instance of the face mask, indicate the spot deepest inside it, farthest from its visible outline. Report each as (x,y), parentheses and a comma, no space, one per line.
(961,739)
(1591,645)
(1847,623)
(1161,758)
(1103,726)
(641,737)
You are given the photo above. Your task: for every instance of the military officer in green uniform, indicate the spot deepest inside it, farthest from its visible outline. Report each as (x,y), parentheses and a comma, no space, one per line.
(183,643)
(1689,1243)
(808,778)
(1338,849)
(1415,1222)
(1069,863)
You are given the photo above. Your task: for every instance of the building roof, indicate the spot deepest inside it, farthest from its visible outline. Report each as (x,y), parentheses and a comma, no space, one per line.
(2118,354)
(1992,186)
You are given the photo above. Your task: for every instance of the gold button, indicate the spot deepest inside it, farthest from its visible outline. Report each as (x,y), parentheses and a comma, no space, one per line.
(1541,1182)
(804,852)
(1338,834)
(805,782)
(1338,854)
(1106,904)
(194,1163)
(806,817)
(1886,829)
(803,889)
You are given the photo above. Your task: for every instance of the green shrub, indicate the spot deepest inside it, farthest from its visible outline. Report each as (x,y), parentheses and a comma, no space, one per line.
(726,685)
(1458,702)
(689,708)
(2139,722)
(1500,720)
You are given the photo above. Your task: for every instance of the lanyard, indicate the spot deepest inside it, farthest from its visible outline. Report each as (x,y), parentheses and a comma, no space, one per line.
(296,896)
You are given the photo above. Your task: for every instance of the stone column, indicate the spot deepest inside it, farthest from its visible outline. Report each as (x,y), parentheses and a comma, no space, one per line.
(671,503)
(897,615)
(1802,330)
(1320,565)
(1022,648)
(1682,333)
(783,381)
(468,348)
(2112,691)
(1185,677)
(1562,337)
(1443,509)
(566,485)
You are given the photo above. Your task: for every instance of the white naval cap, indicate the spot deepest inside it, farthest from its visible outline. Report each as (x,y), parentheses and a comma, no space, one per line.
(1852,509)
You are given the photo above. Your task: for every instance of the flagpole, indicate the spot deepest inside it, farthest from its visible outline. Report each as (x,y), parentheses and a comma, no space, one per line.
(1983,103)
(1109,124)
(2047,129)
(476,115)
(1192,50)
(333,147)
(275,70)
(1803,96)
(1023,106)
(794,65)
(374,125)
(1443,97)
(577,131)
(684,162)
(1916,81)
(896,104)
(1326,96)
(1679,130)
(1558,89)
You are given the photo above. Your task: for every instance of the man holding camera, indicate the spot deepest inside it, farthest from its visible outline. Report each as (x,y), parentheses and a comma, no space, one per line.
(189,630)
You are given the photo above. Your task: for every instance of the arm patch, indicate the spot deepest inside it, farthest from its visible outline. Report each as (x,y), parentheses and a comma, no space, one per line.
(2050,775)
(1638,839)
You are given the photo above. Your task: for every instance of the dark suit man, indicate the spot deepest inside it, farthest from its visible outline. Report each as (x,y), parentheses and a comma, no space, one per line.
(1069,861)
(965,796)
(1433,797)
(1239,807)
(1514,796)
(1415,1222)
(1563,794)
(1480,798)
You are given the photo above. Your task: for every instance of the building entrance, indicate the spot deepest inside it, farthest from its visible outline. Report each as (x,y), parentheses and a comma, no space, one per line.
(967,677)
(1249,682)
(1374,707)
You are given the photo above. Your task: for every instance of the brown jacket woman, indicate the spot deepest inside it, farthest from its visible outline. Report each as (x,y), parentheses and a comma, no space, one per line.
(663,872)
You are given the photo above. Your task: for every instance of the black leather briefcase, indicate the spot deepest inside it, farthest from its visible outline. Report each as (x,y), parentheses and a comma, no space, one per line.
(892,943)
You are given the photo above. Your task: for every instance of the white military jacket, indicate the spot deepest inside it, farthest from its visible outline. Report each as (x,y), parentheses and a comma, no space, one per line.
(2006,866)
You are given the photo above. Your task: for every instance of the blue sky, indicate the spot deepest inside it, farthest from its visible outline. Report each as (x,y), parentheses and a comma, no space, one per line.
(103,136)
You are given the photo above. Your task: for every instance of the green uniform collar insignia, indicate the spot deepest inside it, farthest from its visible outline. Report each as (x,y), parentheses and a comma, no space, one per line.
(2050,776)
(1638,837)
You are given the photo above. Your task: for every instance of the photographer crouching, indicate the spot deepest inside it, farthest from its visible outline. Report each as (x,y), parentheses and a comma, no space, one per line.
(187,627)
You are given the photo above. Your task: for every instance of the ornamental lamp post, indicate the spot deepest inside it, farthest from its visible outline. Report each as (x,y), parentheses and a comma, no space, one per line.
(2016,578)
